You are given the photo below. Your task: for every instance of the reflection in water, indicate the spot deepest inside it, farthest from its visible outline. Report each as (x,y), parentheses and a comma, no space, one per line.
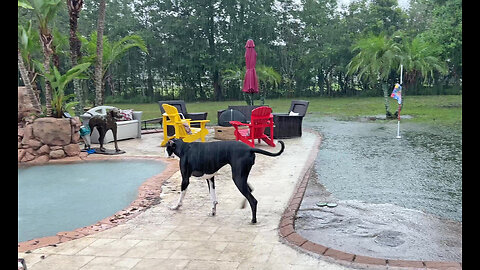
(397,198)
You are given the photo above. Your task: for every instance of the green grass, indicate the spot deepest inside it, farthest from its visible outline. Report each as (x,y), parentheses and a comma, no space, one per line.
(440,110)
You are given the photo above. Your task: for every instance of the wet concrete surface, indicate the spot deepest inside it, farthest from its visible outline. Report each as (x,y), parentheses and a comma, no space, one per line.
(397,198)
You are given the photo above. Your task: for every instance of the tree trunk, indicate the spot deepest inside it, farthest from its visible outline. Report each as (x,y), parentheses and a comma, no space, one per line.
(213,53)
(99,65)
(46,39)
(74,8)
(28,85)
(388,114)
(149,76)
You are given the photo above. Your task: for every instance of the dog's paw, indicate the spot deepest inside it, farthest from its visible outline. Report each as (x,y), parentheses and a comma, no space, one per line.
(214,209)
(174,207)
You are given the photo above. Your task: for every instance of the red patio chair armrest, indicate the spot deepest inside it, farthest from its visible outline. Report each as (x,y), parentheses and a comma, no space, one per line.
(237,123)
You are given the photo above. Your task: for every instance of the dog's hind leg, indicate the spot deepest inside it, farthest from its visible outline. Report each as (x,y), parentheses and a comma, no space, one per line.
(244,201)
(240,179)
(101,137)
(114,131)
(251,200)
(213,196)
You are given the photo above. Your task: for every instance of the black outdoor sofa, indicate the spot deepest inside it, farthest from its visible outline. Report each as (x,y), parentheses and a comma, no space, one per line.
(289,125)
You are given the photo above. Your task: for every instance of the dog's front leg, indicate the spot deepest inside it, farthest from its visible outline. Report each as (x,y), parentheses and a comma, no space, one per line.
(114,131)
(101,137)
(179,203)
(185,182)
(213,196)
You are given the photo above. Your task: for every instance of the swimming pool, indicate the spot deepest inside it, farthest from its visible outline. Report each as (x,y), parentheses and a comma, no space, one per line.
(63,197)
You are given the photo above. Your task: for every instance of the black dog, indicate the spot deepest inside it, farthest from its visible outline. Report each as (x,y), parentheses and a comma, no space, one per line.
(204,159)
(105,123)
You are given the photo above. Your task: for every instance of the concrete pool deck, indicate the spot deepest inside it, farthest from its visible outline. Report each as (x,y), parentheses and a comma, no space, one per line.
(158,238)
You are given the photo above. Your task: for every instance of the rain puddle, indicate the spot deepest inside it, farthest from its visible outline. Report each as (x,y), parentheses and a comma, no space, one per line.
(397,198)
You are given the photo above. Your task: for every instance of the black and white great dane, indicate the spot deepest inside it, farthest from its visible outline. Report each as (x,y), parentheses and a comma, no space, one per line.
(205,159)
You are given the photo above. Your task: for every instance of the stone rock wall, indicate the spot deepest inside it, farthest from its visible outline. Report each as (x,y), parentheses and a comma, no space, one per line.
(48,138)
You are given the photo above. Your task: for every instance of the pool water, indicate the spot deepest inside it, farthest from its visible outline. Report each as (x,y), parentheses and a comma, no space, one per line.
(63,197)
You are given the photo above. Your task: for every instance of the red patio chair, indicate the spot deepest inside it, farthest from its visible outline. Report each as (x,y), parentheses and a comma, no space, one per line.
(261,118)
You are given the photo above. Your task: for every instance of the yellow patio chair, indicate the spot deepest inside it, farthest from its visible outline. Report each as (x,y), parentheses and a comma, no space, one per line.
(183,130)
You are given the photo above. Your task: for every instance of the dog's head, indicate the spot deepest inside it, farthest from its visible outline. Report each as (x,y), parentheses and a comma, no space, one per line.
(114,113)
(171,147)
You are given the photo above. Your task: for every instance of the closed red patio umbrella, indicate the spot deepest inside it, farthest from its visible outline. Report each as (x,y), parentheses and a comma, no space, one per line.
(250,83)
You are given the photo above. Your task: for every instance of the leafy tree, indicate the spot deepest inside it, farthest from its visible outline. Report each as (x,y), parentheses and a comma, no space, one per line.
(385,17)
(445,30)
(322,31)
(192,43)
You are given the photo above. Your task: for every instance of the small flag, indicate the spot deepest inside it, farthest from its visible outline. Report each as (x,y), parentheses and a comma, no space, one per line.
(397,93)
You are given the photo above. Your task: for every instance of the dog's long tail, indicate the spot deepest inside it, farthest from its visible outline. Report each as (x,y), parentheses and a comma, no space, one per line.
(260,151)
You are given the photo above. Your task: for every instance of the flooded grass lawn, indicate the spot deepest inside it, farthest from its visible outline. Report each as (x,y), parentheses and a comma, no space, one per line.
(397,198)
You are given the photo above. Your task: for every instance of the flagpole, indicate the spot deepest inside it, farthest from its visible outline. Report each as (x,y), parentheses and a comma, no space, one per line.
(401,74)
(399,105)
(398,122)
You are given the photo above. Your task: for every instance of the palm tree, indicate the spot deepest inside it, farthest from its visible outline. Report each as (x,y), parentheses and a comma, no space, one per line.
(421,60)
(45,11)
(23,43)
(74,8)
(99,65)
(267,76)
(27,47)
(28,85)
(111,53)
(377,57)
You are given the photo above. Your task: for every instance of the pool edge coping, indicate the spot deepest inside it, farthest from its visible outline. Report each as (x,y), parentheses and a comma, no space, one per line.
(287,233)
(148,195)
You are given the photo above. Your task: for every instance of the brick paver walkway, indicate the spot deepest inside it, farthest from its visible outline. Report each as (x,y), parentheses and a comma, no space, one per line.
(159,238)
